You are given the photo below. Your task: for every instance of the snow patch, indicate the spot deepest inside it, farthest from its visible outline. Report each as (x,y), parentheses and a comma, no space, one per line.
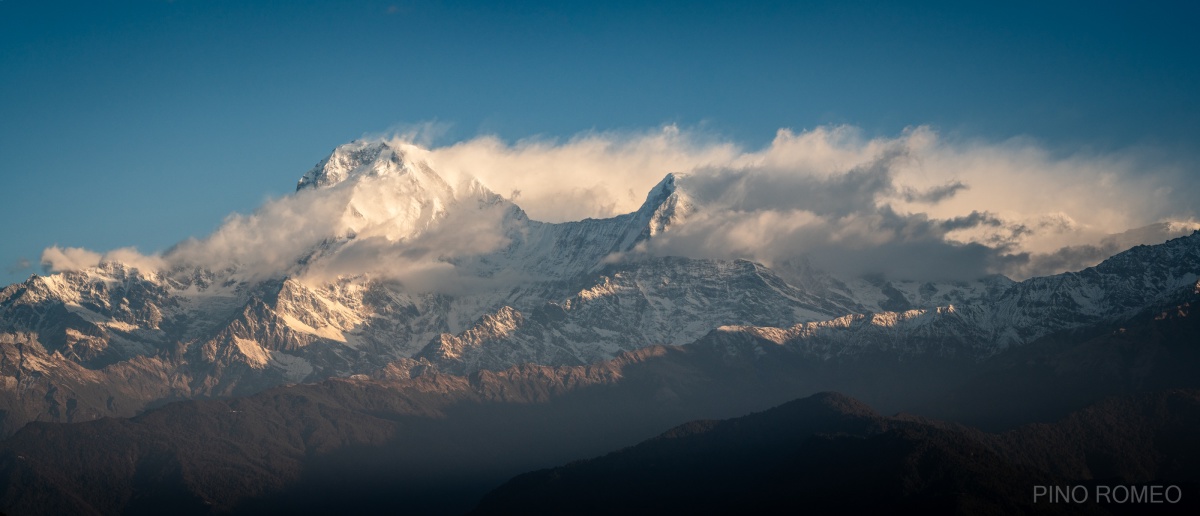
(295,369)
(255,354)
(122,326)
(325,332)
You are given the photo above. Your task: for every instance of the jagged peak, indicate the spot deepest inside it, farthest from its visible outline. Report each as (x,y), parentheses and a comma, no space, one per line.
(376,159)
(370,158)
(667,203)
(343,162)
(662,191)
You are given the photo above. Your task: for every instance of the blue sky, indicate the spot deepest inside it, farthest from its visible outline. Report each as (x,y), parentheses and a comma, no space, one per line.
(144,123)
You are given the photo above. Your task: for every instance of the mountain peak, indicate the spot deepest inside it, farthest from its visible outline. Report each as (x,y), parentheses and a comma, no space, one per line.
(667,203)
(355,159)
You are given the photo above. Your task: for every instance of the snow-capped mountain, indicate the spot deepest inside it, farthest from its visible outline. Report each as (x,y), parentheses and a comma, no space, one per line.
(1007,314)
(402,264)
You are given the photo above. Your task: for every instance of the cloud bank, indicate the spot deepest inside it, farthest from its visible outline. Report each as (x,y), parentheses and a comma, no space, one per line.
(915,205)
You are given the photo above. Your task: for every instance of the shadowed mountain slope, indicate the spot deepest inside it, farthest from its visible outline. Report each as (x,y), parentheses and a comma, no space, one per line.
(831,454)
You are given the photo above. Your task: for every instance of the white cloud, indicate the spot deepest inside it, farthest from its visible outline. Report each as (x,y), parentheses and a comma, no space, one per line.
(424,261)
(916,204)
(592,175)
(58,259)
(132,258)
(273,238)
(901,202)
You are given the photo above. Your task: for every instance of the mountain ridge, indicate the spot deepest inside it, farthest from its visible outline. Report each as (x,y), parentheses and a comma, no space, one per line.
(568,293)
(415,438)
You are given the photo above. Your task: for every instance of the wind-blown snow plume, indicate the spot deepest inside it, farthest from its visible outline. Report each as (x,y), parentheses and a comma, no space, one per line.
(916,205)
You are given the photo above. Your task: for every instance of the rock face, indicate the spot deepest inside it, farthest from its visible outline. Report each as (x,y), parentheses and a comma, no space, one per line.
(111,339)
